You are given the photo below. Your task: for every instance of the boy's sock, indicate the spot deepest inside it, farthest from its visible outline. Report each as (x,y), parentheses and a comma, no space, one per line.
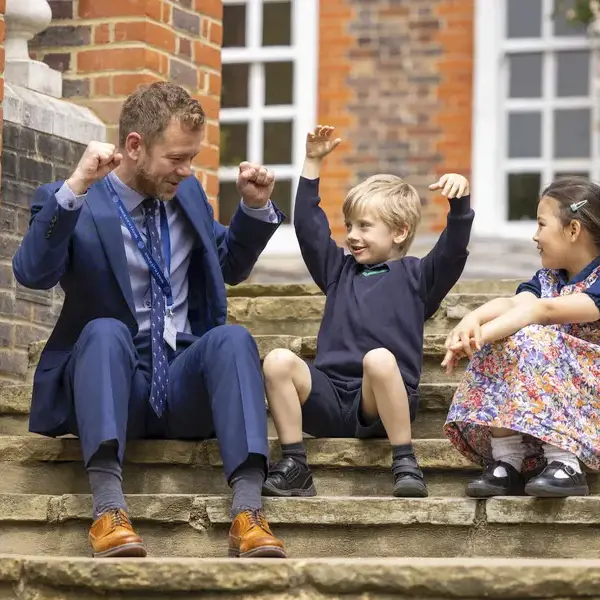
(297,451)
(402,451)
(552,453)
(509,450)
(104,472)
(246,483)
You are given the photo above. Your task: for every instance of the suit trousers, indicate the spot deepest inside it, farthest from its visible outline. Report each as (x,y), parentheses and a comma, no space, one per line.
(215,390)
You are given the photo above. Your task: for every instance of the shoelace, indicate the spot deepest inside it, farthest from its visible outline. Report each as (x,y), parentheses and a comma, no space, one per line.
(257,519)
(118,519)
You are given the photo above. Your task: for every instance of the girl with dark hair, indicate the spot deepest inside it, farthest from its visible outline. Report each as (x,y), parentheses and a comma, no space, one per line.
(528,405)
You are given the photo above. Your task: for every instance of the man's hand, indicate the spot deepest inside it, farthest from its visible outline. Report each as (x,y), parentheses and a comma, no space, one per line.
(452,186)
(255,184)
(98,160)
(320,142)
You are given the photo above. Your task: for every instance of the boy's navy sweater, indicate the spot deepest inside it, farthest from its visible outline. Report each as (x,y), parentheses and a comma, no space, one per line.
(382,310)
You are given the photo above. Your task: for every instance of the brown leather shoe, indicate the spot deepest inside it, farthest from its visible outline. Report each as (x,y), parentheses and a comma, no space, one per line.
(111,534)
(250,537)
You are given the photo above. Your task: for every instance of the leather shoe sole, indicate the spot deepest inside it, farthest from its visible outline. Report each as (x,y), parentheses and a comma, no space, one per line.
(133,550)
(260,552)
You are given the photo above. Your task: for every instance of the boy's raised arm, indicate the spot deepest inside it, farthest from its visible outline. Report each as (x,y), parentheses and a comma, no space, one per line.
(322,256)
(442,267)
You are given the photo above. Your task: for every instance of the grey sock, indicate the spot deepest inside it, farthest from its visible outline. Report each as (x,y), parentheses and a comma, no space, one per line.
(246,482)
(295,451)
(104,472)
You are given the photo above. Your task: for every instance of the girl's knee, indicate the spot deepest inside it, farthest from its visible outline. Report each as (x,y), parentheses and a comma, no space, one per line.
(279,364)
(379,363)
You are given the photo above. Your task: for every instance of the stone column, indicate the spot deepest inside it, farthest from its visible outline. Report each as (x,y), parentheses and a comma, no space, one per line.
(24,19)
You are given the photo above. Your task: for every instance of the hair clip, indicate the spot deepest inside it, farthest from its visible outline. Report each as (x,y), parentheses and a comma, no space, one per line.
(577,205)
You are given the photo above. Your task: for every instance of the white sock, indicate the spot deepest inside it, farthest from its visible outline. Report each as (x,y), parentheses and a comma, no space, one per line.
(509,450)
(553,453)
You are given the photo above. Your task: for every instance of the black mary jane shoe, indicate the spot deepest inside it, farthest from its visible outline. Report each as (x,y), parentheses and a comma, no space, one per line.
(408,479)
(289,477)
(547,485)
(488,484)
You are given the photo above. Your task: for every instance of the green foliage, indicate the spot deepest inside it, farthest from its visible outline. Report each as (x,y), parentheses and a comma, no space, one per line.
(579,11)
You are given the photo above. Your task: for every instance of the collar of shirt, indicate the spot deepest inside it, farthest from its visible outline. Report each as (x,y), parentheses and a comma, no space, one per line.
(130,198)
(583,274)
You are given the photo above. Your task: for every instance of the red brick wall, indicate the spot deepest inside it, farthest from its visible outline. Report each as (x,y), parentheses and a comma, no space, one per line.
(395,78)
(106,48)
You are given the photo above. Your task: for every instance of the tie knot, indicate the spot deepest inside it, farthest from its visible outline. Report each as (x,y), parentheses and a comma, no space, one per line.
(149,205)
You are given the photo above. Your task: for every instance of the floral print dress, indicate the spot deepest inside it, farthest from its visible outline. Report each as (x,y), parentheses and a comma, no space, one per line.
(543,381)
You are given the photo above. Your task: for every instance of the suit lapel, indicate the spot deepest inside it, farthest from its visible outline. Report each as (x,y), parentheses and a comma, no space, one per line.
(108,224)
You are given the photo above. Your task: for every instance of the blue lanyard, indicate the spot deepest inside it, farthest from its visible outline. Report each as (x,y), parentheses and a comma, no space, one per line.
(155,270)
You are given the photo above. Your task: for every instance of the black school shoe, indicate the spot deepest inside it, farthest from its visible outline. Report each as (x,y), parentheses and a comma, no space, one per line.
(408,479)
(546,485)
(488,484)
(289,477)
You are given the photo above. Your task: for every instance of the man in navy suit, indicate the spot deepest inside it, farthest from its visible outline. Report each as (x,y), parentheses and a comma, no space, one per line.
(141,349)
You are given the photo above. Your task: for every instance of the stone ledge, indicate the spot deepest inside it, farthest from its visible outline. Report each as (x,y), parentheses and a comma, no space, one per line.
(325,453)
(454,578)
(202,512)
(51,115)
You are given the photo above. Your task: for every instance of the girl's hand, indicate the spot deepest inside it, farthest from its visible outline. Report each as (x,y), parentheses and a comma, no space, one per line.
(451,359)
(465,336)
(320,142)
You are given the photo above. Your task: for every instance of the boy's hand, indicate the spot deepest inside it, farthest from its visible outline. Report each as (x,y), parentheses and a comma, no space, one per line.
(452,186)
(320,142)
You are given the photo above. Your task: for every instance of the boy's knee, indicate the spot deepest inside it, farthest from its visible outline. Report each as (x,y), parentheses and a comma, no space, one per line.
(279,364)
(379,363)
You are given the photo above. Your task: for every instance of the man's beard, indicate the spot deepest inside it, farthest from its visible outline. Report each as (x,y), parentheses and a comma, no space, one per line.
(147,184)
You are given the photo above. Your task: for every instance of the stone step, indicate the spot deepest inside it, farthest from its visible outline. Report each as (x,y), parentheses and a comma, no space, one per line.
(74,578)
(464,286)
(341,467)
(15,401)
(347,467)
(196,526)
(301,315)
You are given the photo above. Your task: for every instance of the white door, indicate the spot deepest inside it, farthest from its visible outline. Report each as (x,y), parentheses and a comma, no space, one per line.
(269,98)
(535,115)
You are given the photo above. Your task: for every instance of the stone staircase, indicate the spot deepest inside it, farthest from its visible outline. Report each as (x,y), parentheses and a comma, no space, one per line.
(352,541)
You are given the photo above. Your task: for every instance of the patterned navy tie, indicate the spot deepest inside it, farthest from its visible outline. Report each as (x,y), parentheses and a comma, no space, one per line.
(160,365)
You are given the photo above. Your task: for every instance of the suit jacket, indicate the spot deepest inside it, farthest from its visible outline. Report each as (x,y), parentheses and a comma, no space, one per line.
(84,251)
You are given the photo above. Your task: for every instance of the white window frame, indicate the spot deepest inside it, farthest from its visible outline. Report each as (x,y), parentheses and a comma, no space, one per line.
(490,110)
(304,53)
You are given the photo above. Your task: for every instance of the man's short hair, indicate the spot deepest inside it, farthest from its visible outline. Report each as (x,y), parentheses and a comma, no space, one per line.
(391,199)
(149,110)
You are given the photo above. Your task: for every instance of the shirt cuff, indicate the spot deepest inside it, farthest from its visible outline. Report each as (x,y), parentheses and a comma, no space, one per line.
(267,213)
(460,206)
(67,199)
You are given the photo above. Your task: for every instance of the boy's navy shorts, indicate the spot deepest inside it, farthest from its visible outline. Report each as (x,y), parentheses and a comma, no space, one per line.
(333,409)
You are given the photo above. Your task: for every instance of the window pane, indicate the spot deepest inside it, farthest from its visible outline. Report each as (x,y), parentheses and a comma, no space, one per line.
(234,143)
(572,129)
(277,24)
(278,141)
(229,199)
(560,175)
(282,196)
(573,73)
(279,83)
(563,27)
(525,135)
(525,75)
(524,18)
(235,86)
(234,25)
(523,193)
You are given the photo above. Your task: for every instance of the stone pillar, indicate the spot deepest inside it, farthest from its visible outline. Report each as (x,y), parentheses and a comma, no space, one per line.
(25,19)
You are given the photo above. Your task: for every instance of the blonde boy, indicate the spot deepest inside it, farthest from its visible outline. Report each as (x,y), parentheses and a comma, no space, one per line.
(364,380)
